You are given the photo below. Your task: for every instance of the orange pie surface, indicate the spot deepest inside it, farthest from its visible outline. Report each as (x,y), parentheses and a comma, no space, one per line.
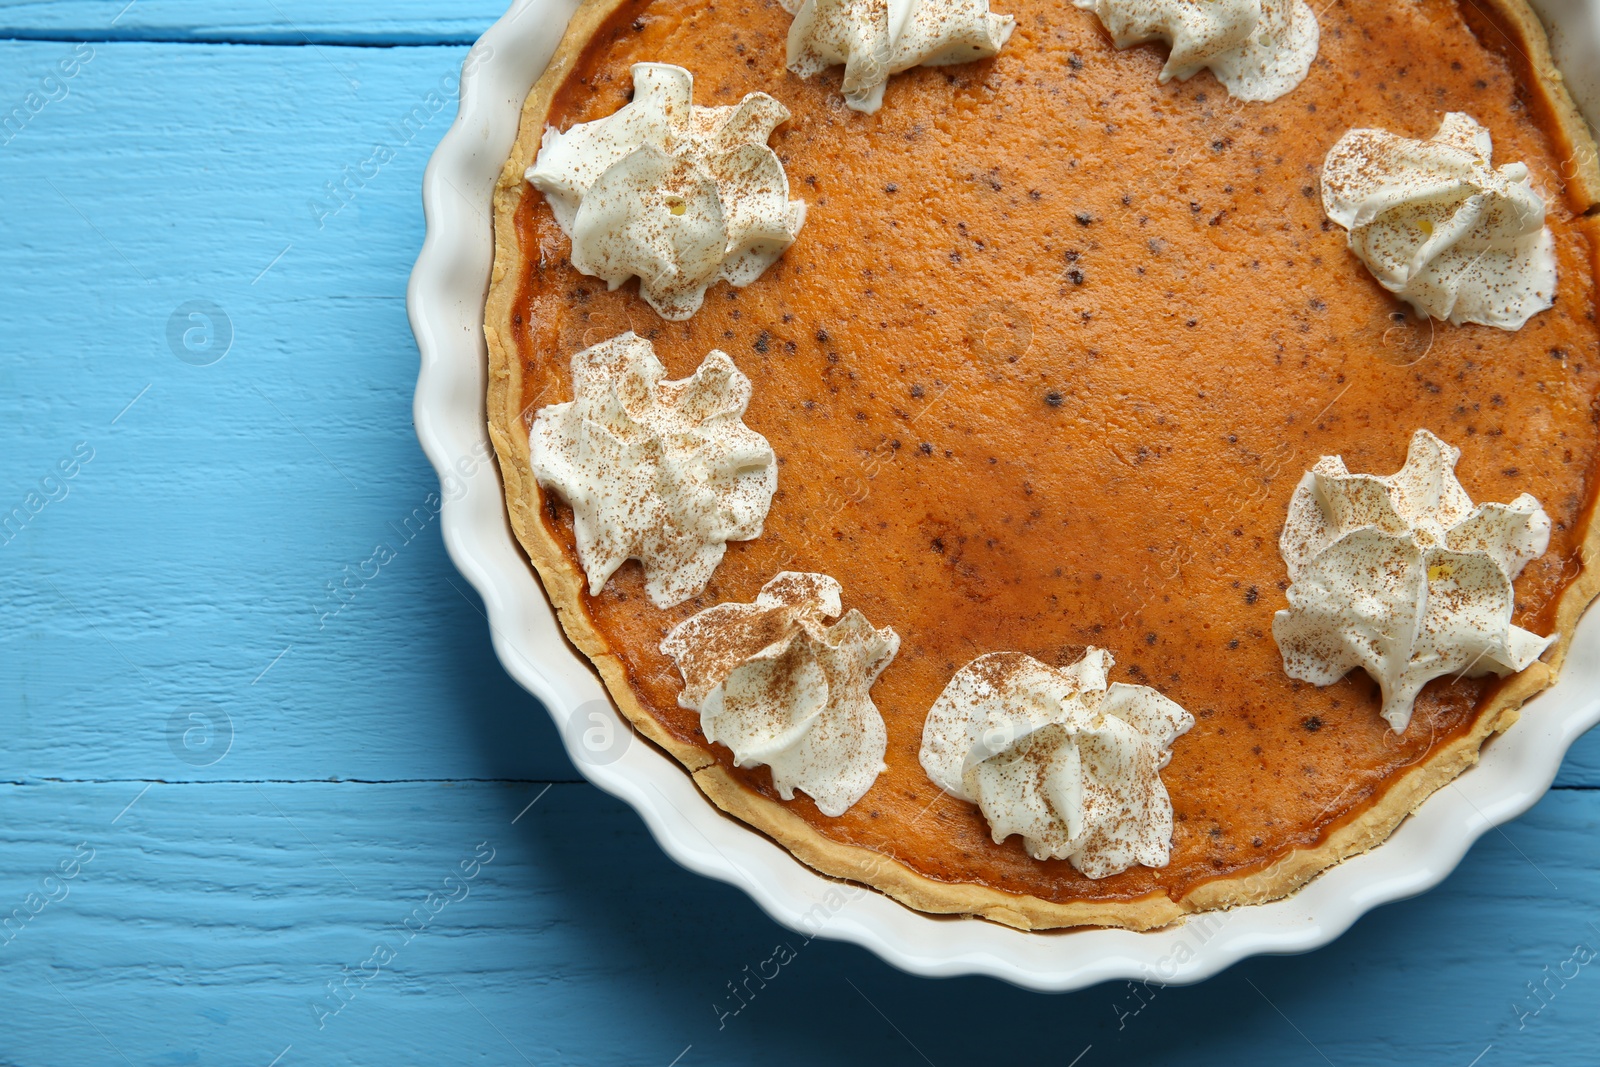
(1043,368)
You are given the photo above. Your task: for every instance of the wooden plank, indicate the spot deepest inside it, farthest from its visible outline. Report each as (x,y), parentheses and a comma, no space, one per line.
(288,22)
(1582,765)
(211,918)
(200,540)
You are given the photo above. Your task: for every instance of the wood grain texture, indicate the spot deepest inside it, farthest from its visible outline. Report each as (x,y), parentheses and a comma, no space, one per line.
(172,570)
(211,918)
(283,22)
(198,543)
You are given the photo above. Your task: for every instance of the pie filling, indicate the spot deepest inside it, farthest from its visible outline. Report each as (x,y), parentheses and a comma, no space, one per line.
(1042,372)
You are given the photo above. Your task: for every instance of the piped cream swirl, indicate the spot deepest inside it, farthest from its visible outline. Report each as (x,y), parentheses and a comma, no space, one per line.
(659,471)
(681,196)
(1441,227)
(1258,49)
(1402,576)
(877,38)
(1063,758)
(781,688)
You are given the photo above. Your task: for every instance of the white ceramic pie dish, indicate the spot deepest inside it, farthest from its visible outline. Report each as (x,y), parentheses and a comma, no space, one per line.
(445,300)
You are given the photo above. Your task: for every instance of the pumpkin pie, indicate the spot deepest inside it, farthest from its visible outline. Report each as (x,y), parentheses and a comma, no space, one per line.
(1051,358)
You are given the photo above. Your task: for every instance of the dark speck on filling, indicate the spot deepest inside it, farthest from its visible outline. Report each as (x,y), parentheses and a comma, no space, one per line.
(1251,594)
(1312,724)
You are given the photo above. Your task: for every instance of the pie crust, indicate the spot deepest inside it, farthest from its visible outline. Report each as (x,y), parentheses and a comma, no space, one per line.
(1507,26)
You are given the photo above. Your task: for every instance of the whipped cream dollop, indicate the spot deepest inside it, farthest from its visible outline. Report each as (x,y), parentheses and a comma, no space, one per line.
(777,685)
(1442,228)
(662,472)
(1403,577)
(679,195)
(1258,49)
(1059,756)
(877,38)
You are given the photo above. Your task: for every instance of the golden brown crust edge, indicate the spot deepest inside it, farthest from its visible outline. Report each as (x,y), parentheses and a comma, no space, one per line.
(1531,46)
(507,428)
(563,583)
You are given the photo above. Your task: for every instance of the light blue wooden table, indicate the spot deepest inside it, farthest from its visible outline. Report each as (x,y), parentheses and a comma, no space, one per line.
(218,796)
